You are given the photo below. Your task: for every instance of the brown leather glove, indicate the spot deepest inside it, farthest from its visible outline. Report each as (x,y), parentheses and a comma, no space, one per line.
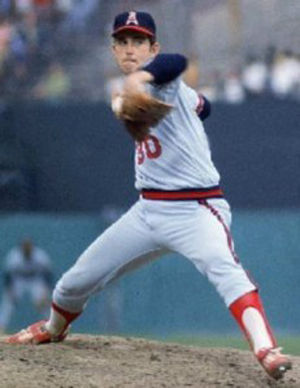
(140,111)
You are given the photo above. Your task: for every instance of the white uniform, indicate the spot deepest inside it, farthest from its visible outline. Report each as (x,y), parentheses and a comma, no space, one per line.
(175,157)
(185,158)
(25,277)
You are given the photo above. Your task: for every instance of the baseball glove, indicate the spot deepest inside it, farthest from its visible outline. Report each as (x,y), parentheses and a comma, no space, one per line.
(140,111)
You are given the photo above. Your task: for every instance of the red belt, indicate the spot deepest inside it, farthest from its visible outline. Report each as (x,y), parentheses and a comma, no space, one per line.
(181,195)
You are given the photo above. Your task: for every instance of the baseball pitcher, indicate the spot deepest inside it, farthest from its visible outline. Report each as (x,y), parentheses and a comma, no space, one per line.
(181,207)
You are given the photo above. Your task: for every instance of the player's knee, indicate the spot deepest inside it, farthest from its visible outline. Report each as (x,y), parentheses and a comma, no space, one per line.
(68,286)
(73,285)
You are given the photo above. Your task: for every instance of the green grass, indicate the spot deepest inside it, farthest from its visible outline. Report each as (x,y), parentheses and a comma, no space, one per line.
(290,345)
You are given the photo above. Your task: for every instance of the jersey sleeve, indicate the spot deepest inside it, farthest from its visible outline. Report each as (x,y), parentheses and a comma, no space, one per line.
(199,103)
(166,67)
(203,108)
(166,92)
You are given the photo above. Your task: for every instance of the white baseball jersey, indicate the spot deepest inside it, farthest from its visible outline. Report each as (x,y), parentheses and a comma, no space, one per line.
(176,154)
(173,160)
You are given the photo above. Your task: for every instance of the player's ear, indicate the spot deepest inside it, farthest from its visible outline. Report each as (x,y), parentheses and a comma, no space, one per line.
(155,48)
(113,49)
(113,45)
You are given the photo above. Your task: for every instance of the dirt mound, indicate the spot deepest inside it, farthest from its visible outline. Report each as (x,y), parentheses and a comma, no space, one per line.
(109,362)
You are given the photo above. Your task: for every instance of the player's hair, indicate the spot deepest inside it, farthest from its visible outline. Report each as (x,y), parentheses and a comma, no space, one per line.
(151,39)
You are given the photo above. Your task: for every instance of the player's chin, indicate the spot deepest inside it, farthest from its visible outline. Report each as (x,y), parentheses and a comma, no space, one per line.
(129,67)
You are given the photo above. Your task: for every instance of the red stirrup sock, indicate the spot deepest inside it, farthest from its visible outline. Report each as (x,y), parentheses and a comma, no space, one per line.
(59,319)
(249,314)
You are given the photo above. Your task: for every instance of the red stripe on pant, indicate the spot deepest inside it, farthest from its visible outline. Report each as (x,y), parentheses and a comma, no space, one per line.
(229,238)
(226,229)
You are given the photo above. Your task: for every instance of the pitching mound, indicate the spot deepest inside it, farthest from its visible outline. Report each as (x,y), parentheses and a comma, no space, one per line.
(109,362)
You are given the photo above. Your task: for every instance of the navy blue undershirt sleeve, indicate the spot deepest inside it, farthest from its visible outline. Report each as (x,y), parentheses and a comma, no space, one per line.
(166,67)
(206,109)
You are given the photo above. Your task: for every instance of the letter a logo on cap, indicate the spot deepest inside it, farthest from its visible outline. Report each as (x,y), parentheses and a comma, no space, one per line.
(132,18)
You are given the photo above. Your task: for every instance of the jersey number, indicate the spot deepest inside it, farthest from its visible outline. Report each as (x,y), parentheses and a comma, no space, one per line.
(149,147)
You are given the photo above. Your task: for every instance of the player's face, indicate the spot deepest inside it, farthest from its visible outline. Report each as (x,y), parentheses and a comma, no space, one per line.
(27,249)
(132,50)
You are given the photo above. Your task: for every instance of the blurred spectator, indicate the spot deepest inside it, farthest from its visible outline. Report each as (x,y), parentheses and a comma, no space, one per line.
(29,29)
(254,76)
(36,32)
(22,7)
(18,46)
(233,89)
(27,270)
(113,86)
(44,8)
(79,14)
(55,85)
(285,75)
(191,75)
(6,30)
(64,6)
(43,3)
(6,7)
(212,86)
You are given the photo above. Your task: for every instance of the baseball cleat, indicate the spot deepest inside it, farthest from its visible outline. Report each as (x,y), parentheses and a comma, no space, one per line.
(35,334)
(274,362)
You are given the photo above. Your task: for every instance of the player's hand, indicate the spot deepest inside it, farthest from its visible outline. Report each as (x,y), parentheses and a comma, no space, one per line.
(136,82)
(139,111)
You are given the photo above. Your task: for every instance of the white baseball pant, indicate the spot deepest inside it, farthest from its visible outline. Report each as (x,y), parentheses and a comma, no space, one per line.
(150,229)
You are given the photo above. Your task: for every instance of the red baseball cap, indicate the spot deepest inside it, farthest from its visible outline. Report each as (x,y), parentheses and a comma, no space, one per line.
(134,21)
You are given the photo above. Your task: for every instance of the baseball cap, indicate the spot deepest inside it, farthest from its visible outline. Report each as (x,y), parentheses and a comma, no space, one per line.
(134,21)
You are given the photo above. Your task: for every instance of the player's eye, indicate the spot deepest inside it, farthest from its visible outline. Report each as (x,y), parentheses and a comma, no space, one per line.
(121,41)
(139,41)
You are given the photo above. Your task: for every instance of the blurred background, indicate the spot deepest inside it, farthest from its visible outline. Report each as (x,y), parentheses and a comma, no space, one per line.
(66,164)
